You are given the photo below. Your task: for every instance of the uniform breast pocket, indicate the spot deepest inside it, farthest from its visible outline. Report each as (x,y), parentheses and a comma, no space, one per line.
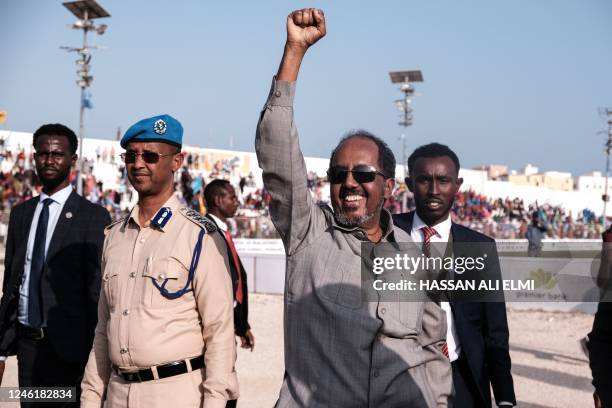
(110,284)
(165,283)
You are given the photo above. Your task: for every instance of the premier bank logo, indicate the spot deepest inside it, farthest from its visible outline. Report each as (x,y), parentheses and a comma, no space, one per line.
(542,279)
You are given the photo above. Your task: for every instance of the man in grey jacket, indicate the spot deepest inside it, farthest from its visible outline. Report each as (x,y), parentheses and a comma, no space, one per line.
(340,350)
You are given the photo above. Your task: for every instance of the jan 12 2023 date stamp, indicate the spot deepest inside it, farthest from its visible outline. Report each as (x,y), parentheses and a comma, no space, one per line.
(37,394)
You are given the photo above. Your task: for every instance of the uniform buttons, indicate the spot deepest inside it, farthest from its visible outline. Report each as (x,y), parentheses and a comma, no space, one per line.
(142,240)
(375,374)
(132,274)
(383,311)
(277,94)
(126,312)
(123,350)
(161,276)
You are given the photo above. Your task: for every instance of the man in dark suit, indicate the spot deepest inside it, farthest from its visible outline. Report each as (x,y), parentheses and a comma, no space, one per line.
(477,337)
(222,203)
(48,311)
(600,338)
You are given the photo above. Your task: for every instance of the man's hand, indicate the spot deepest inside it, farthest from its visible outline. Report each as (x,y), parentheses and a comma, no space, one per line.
(596,400)
(2,365)
(304,28)
(248,340)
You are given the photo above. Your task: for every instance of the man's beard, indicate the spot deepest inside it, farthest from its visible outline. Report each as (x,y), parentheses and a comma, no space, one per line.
(352,222)
(347,221)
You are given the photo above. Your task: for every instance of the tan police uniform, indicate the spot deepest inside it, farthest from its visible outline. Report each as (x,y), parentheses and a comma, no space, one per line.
(139,328)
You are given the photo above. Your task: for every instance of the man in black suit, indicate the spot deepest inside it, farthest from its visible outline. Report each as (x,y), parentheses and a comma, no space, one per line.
(477,337)
(48,311)
(222,203)
(600,338)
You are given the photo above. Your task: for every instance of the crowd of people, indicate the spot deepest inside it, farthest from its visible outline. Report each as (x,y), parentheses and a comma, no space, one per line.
(501,218)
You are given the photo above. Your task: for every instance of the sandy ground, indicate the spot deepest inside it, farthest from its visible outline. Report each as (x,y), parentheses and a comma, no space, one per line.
(549,367)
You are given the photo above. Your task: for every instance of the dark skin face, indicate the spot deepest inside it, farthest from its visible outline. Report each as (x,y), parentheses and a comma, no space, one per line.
(354,200)
(153,181)
(53,159)
(226,203)
(434,183)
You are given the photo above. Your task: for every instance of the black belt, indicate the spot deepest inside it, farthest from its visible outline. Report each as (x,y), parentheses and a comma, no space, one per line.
(163,371)
(30,333)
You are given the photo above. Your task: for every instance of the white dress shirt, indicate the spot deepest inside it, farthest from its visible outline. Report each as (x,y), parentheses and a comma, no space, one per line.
(443,230)
(222,225)
(55,209)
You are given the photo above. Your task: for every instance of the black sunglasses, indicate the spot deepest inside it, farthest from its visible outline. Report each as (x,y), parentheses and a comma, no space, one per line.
(361,174)
(148,157)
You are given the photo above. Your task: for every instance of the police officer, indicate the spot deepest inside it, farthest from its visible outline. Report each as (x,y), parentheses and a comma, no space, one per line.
(165,334)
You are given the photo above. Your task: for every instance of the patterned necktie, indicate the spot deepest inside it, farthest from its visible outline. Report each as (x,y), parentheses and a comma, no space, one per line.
(37,265)
(230,243)
(428,232)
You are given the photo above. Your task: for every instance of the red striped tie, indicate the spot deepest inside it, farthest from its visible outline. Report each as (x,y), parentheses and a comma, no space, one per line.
(428,232)
(445,349)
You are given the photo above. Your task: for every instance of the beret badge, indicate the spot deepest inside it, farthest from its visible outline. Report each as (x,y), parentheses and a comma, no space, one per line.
(160,127)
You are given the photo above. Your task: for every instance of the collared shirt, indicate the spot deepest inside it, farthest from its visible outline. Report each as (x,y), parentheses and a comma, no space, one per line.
(139,328)
(55,209)
(221,224)
(340,350)
(443,232)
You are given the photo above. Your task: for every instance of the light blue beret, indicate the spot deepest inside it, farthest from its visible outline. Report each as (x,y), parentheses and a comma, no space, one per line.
(162,128)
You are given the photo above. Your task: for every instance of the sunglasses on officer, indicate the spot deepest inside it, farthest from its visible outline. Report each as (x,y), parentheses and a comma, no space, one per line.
(361,173)
(148,157)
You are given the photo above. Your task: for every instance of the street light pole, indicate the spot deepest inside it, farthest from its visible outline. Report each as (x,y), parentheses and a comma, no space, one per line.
(86,11)
(83,85)
(606,197)
(405,78)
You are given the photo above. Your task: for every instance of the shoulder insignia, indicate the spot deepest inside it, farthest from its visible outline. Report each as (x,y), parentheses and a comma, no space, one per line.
(113,224)
(198,219)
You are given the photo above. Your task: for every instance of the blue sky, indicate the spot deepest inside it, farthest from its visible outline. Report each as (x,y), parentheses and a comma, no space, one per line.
(510,82)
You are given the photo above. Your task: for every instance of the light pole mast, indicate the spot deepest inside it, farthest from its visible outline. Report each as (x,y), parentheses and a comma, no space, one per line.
(605,197)
(85,11)
(405,78)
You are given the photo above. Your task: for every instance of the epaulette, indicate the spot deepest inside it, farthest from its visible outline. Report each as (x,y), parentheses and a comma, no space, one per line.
(112,224)
(198,219)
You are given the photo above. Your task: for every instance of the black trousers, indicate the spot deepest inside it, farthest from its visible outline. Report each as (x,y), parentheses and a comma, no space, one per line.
(40,366)
(465,390)
(231,404)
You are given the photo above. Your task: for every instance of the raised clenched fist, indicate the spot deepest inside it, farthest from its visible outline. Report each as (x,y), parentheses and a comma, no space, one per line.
(305,27)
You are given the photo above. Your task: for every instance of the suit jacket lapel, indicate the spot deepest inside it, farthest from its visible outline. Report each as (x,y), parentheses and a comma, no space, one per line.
(404,221)
(63,224)
(456,233)
(22,247)
(233,272)
(28,215)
